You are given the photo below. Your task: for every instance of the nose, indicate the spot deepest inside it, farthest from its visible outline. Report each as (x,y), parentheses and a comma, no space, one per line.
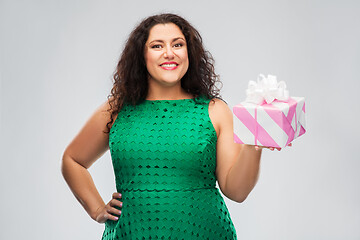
(168,53)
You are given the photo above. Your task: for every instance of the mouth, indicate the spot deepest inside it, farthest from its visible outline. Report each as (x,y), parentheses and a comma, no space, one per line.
(169,65)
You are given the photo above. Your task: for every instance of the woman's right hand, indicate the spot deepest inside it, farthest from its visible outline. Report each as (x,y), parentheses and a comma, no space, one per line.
(109,211)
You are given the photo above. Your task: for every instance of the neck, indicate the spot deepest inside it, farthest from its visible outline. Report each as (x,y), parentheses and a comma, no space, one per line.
(167,92)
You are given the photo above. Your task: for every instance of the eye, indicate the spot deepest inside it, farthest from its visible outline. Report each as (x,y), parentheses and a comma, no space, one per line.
(178,45)
(156,46)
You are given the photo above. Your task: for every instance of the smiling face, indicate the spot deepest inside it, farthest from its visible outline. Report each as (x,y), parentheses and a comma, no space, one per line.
(166,55)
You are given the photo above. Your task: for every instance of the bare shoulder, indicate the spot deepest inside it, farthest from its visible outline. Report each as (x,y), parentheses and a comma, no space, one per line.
(219,106)
(104,112)
(219,113)
(92,139)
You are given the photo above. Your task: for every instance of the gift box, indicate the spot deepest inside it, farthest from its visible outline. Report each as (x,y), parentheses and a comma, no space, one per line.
(268,116)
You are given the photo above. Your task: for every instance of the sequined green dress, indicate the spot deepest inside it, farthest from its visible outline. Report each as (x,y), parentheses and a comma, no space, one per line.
(164,159)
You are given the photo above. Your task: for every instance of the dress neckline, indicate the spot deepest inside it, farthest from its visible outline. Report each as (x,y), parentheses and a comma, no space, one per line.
(168,100)
(171,100)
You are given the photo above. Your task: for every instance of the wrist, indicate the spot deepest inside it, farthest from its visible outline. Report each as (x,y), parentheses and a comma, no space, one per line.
(249,147)
(94,214)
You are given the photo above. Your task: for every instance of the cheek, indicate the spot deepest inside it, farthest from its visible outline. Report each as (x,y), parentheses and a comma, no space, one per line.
(186,56)
(149,57)
(186,59)
(152,59)
(183,55)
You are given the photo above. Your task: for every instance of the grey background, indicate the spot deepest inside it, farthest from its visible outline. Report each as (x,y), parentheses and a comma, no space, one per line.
(57,58)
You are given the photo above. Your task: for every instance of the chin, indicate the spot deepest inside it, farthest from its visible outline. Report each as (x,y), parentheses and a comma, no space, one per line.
(167,81)
(172,80)
(171,83)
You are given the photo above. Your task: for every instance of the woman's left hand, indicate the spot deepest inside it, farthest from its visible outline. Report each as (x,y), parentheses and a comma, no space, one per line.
(271,148)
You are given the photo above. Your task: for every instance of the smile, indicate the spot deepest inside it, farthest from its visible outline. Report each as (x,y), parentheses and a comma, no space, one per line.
(169,65)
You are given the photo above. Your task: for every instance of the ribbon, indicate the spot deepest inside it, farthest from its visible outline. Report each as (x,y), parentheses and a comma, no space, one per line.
(266,89)
(256,127)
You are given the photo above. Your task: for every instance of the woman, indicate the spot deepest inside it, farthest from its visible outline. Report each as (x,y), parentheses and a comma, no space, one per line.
(170,138)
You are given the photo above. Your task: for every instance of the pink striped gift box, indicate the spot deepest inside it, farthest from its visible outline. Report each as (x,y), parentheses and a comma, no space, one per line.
(274,124)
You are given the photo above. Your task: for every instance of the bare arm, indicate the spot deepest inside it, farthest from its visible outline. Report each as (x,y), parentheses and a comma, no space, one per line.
(238,165)
(88,146)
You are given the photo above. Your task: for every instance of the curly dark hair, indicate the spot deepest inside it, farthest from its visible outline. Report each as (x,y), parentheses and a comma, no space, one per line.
(131,75)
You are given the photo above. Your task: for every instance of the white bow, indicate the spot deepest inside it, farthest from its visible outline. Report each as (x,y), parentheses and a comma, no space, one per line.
(266,88)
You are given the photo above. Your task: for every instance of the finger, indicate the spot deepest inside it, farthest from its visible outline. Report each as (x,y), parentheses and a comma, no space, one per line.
(116,195)
(110,216)
(257,148)
(114,202)
(113,211)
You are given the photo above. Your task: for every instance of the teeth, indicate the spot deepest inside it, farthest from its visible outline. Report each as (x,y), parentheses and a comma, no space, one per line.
(168,65)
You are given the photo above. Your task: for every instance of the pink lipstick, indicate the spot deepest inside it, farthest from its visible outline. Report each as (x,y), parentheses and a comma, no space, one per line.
(169,65)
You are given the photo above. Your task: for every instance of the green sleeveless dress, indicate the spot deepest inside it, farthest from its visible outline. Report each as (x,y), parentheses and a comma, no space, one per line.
(164,158)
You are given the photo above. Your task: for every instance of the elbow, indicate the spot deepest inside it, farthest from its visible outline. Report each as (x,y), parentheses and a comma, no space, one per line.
(65,164)
(240,199)
(239,194)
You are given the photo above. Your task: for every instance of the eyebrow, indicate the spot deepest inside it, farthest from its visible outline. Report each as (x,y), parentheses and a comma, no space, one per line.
(173,40)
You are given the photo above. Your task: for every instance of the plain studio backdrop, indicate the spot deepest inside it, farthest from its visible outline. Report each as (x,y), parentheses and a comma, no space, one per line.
(57,60)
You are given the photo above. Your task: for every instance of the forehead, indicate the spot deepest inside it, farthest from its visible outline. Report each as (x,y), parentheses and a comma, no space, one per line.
(167,31)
